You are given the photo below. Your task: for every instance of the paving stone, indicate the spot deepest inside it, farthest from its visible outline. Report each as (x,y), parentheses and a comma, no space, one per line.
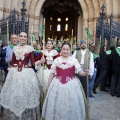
(96,114)
(109,107)
(118,114)
(94,119)
(107,118)
(104,106)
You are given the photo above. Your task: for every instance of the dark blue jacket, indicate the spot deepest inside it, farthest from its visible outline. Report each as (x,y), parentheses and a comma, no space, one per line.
(3,63)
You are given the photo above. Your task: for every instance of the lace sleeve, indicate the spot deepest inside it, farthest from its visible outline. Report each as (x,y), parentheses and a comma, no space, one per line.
(53,67)
(30,49)
(55,53)
(77,66)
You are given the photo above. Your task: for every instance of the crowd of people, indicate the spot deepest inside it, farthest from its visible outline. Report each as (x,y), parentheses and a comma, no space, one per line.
(52,82)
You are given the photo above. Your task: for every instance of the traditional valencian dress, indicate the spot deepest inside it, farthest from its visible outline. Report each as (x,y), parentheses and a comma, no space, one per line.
(44,72)
(64,100)
(20,93)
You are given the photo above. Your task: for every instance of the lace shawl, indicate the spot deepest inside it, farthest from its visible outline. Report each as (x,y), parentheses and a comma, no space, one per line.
(71,62)
(20,53)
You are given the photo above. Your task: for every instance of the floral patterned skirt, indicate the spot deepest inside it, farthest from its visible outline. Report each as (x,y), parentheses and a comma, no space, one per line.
(43,76)
(64,101)
(29,114)
(20,92)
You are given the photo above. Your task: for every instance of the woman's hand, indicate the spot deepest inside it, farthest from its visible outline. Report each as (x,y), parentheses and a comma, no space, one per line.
(37,62)
(8,60)
(87,72)
(42,60)
(82,73)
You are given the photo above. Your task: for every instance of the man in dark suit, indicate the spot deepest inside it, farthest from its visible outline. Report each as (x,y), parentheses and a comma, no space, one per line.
(3,63)
(103,72)
(114,57)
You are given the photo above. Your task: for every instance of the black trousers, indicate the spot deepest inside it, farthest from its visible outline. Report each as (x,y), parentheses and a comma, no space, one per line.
(115,85)
(83,80)
(101,79)
(5,74)
(109,75)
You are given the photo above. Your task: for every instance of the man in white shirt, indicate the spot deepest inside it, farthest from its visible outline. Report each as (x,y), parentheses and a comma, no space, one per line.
(85,58)
(9,51)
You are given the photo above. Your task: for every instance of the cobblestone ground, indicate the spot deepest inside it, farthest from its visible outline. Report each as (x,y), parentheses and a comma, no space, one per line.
(102,107)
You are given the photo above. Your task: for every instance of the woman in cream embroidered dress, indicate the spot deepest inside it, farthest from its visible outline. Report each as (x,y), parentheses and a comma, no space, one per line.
(64,99)
(43,74)
(20,93)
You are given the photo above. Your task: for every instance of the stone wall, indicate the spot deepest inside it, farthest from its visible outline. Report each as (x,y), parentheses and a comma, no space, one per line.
(90,9)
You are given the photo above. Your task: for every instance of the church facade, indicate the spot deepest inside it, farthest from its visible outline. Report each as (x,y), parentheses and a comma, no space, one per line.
(62,17)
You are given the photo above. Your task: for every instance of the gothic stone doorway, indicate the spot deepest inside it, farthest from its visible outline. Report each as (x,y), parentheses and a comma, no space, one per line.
(60,21)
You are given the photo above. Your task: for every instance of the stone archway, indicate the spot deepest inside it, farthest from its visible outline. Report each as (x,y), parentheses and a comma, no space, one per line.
(87,18)
(80,18)
(90,10)
(62,11)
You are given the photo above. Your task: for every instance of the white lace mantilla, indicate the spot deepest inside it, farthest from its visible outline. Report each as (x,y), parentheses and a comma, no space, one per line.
(50,55)
(20,53)
(69,63)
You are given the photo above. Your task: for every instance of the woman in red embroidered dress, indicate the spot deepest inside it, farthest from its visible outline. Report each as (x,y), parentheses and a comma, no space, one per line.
(64,100)
(49,55)
(20,93)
